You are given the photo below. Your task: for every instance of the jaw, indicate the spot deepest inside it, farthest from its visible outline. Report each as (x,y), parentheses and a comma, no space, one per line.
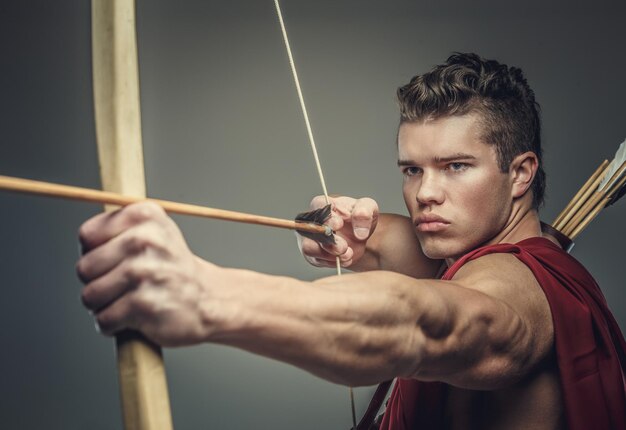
(458,242)
(517,226)
(438,247)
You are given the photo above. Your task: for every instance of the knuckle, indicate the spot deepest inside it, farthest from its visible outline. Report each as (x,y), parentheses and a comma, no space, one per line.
(310,247)
(334,250)
(137,243)
(84,234)
(139,240)
(81,271)
(345,203)
(316,262)
(365,208)
(144,211)
(347,255)
(147,236)
(140,306)
(317,202)
(362,213)
(329,248)
(86,297)
(141,270)
(154,209)
(335,222)
(370,202)
(105,322)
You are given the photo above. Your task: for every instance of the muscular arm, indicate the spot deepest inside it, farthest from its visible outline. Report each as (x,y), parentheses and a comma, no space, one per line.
(484,329)
(364,328)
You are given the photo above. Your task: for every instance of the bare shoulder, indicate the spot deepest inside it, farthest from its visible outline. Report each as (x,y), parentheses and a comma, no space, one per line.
(499,275)
(505,278)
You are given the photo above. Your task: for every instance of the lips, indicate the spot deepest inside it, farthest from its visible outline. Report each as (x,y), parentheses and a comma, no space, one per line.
(431,223)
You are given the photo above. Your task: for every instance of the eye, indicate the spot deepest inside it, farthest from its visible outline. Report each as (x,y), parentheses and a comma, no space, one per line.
(411,171)
(457,167)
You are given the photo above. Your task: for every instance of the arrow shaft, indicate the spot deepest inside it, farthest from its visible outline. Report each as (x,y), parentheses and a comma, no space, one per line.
(49,189)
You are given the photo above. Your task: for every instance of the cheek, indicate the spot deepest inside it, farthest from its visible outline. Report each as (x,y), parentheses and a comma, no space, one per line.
(491,202)
(408,194)
(483,199)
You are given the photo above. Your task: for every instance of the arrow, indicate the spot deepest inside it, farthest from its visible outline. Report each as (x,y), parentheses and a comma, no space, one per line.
(308,223)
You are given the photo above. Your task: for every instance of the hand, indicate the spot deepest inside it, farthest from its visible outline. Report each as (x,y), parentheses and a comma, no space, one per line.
(354,221)
(140,274)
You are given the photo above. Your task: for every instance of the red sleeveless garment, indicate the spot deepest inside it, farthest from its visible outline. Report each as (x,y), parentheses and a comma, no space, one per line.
(590,348)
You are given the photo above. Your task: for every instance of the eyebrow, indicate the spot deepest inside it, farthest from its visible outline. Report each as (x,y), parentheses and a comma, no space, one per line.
(455,157)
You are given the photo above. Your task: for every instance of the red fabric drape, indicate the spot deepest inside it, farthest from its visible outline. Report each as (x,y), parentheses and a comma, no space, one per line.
(590,348)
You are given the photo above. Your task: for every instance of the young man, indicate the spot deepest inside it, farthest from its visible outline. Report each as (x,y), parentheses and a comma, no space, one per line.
(515,335)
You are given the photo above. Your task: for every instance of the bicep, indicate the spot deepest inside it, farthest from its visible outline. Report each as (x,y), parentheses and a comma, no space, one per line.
(510,282)
(502,326)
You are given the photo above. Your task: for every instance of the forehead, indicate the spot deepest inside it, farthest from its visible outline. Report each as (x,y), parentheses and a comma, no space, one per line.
(441,138)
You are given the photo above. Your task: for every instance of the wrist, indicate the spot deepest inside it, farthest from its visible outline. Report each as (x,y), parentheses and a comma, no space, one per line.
(214,302)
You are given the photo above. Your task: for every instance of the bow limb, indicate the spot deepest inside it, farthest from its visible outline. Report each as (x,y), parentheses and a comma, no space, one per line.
(142,380)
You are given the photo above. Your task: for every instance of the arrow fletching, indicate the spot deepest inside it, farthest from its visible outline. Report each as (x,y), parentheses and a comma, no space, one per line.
(617,165)
(618,195)
(613,174)
(317,217)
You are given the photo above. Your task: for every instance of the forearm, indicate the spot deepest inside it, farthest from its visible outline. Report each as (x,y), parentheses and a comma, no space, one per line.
(394,247)
(357,329)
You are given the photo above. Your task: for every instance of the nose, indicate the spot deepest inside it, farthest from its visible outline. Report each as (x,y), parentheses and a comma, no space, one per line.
(430,190)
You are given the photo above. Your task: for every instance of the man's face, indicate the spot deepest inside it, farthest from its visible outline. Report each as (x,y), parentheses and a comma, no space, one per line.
(457,197)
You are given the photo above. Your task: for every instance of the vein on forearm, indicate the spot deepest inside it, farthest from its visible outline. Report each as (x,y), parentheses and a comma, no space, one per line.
(357,329)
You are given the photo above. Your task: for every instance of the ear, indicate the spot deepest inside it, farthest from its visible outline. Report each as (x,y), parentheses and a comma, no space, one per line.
(522,172)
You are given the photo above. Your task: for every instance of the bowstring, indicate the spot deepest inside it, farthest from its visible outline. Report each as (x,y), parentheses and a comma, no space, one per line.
(313,148)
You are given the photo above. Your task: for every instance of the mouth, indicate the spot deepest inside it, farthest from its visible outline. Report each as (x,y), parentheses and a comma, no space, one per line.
(431,223)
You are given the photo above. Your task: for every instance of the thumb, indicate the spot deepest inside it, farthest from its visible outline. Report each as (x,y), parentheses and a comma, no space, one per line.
(361,228)
(364,214)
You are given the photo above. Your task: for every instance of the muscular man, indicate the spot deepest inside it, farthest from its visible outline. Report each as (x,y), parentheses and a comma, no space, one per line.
(488,346)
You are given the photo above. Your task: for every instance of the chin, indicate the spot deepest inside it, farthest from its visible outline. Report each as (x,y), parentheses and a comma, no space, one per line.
(442,248)
(436,250)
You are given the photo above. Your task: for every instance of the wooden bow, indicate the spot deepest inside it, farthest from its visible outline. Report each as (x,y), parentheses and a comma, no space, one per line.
(143,385)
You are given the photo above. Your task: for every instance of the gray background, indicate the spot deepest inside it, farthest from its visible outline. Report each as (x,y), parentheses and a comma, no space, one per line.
(222,127)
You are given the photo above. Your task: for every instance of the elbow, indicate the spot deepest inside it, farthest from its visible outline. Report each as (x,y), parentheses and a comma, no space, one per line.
(489,347)
(505,354)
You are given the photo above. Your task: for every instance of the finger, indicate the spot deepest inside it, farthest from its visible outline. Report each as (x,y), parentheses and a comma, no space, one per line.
(319,202)
(311,249)
(122,298)
(335,222)
(317,262)
(346,256)
(339,248)
(104,258)
(102,227)
(103,291)
(364,217)
(332,263)
(343,206)
(331,255)
(115,317)
(346,263)
(317,256)
(88,233)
